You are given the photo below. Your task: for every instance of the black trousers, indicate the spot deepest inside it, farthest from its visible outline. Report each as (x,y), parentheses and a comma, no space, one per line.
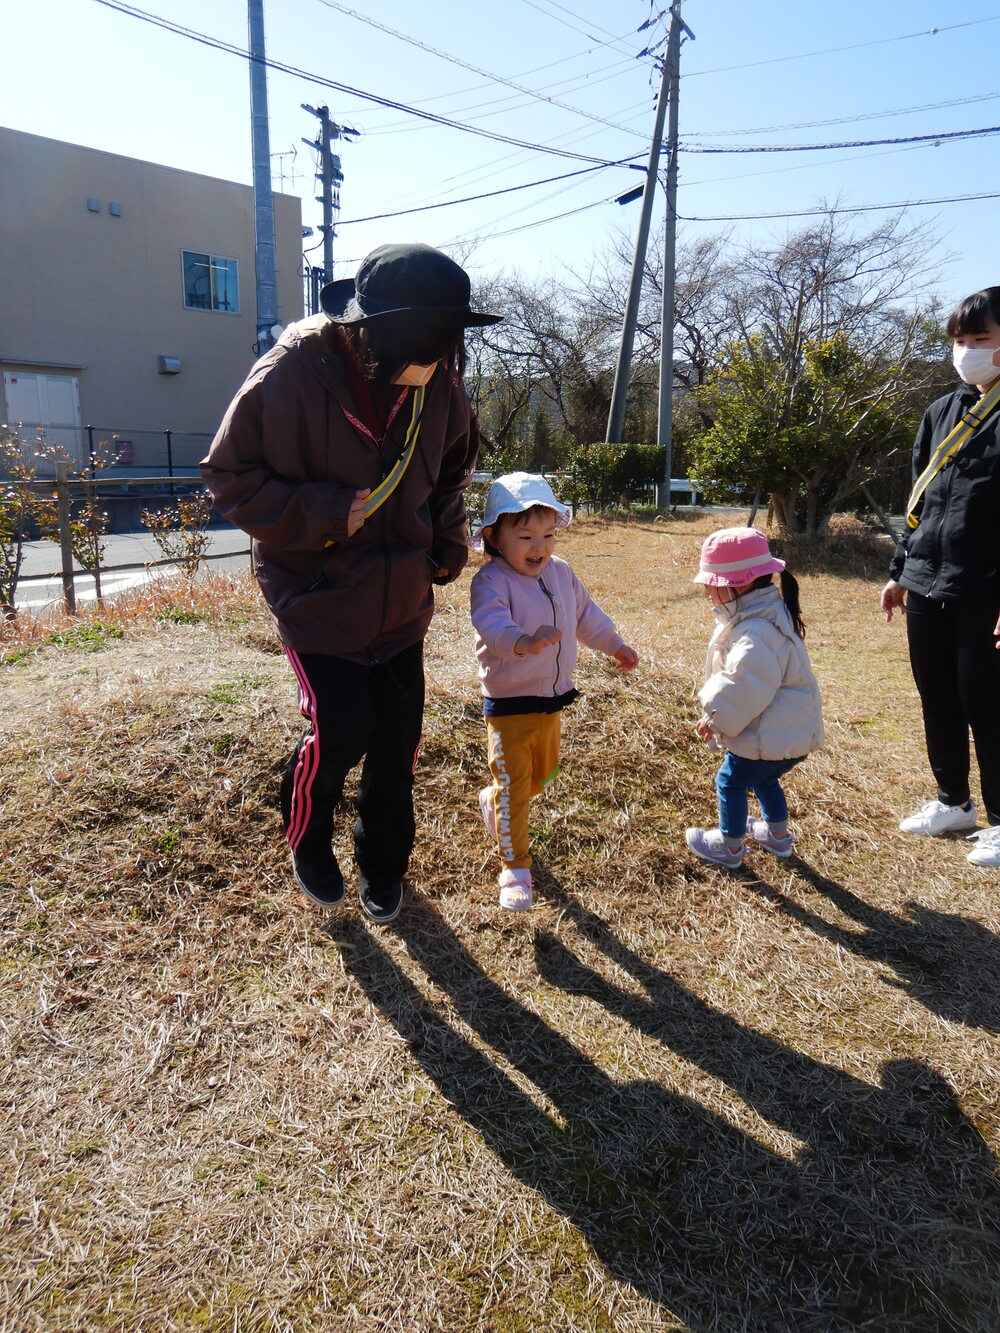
(357,712)
(956,666)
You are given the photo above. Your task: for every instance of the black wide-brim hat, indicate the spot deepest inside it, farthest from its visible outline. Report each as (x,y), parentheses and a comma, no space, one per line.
(404,280)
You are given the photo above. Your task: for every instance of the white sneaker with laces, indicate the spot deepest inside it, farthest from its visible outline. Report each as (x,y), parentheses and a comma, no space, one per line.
(760,832)
(987,849)
(935,818)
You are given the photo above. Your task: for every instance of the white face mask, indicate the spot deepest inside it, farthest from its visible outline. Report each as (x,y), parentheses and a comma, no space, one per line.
(975,364)
(415,375)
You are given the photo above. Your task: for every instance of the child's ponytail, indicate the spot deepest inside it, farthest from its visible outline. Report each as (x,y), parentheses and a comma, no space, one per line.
(790,596)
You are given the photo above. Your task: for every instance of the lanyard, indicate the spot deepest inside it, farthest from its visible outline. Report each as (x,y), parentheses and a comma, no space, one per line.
(360,425)
(382,492)
(950,446)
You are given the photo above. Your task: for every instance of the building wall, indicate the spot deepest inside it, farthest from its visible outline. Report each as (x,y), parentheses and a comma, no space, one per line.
(101,296)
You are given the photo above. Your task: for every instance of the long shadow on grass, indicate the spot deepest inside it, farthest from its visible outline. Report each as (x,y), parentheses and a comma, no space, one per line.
(949,963)
(887,1220)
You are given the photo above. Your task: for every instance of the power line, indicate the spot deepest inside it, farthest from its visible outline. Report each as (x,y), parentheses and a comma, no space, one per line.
(464,64)
(541,222)
(835,50)
(471,199)
(578,81)
(556,19)
(858,208)
(849,120)
(231,49)
(849,143)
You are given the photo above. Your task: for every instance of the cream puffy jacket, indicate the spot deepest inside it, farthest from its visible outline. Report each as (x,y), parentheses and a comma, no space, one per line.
(760,695)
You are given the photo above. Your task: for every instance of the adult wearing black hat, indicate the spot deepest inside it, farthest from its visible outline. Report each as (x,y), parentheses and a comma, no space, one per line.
(345,456)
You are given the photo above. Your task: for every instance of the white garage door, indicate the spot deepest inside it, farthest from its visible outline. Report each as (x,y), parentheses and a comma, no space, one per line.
(51,402)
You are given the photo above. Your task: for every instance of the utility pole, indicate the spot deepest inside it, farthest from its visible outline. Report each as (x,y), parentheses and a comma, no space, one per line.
(665,418)
(619,394)
(267,292)
(330,176)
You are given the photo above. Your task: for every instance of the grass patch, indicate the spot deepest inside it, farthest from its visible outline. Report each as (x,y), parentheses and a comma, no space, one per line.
(667,1098)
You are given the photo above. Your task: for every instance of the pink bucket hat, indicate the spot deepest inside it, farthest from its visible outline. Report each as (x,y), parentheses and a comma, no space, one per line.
(734,556)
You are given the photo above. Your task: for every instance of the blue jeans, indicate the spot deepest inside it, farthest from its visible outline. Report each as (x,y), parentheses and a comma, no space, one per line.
(736,777)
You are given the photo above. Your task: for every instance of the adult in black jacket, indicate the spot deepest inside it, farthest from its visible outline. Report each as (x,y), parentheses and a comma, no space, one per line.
(945,574)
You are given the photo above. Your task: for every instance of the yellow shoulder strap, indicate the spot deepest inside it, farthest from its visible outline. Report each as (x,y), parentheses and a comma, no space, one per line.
(950,446)
(385,488)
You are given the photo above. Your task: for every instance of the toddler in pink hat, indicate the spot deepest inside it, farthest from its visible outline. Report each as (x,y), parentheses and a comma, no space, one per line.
(760,700)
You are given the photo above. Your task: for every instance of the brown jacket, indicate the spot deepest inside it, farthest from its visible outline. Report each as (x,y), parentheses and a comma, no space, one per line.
(285,466)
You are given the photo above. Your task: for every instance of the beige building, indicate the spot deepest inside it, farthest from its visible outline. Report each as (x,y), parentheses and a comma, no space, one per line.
(127,297)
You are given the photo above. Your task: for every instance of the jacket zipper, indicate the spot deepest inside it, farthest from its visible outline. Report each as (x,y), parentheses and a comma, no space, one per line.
(555,621)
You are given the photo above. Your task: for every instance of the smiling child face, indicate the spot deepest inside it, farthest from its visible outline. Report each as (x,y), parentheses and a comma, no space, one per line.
(526,541)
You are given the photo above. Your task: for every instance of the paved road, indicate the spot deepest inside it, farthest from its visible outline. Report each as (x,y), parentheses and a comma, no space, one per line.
(41,578)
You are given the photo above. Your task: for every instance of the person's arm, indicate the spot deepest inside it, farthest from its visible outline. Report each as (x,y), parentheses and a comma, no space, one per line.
(892,595)
(450,543)
(596,629)
(747,683)
(248,491)
(923,443)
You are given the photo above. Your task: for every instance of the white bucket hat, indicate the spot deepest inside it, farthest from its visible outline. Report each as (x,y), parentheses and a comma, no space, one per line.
(518,491)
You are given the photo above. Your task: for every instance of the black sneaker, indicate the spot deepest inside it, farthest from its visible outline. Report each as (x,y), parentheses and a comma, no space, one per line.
(381,898)
(319,877)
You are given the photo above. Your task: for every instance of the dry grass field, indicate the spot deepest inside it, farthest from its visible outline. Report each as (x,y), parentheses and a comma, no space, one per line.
(669,1098)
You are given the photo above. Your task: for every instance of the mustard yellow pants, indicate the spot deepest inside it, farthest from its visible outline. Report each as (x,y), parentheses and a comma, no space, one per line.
(524,758)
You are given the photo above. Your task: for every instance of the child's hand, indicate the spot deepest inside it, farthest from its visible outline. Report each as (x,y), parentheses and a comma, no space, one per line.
(627,658)
(704,729)
(530,644)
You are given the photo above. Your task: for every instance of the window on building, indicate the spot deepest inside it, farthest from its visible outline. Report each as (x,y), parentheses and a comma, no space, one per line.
(210,282)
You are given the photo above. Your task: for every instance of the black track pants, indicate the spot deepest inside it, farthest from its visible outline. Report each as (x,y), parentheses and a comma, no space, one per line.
(357,712)
(956,666)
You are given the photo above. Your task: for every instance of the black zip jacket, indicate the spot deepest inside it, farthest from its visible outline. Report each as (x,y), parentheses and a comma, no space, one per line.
(954,554)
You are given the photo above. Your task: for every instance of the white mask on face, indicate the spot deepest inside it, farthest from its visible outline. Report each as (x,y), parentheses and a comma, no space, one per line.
(415,375)
(975,364)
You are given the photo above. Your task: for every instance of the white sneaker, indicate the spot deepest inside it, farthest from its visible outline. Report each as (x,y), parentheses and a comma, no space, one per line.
(987,849)
(934,818)
(760,832)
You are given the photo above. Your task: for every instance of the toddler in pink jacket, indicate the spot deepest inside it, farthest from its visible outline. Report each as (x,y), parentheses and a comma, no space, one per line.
(529,609)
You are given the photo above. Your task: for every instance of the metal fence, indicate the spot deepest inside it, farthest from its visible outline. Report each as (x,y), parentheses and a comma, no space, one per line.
(172,453)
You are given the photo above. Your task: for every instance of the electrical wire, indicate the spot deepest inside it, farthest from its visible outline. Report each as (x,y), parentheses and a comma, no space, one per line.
(848,120)
(556,19)
(858,208)
(855,143)
(529,226)
(836,50)
(507,104)
(230,48)
(471,199)
(465,64)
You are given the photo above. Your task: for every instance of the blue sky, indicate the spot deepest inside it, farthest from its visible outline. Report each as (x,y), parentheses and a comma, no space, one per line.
(776,73)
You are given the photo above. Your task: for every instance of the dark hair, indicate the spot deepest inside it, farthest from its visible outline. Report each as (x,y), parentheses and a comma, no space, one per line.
(517,517)
(970,315)
(789,595)
(393,342)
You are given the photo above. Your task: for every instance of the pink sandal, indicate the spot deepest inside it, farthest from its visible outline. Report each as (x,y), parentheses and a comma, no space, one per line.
(515,890)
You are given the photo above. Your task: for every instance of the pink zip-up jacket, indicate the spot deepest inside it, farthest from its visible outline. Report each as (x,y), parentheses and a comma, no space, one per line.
(506,605)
